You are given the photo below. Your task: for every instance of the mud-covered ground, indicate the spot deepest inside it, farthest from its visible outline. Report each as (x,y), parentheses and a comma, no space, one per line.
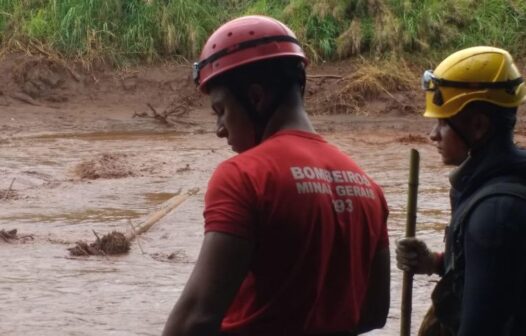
(83,152)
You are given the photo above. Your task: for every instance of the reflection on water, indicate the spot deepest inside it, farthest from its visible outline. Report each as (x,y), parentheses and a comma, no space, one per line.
(108,136)
(76,217)
(43,291)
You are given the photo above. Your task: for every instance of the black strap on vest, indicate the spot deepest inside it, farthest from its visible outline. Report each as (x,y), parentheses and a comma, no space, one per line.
(508,188)
(515,189)
(500,186)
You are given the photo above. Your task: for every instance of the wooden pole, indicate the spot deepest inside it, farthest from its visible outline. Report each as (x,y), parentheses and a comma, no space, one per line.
(6,196)
(410,228)
(163,210)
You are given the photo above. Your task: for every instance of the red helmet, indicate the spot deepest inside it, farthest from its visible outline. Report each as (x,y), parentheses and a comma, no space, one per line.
(244,40)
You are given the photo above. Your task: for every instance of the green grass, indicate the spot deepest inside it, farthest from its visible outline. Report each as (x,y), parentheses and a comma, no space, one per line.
(114,31)
(131,31)
(498,23)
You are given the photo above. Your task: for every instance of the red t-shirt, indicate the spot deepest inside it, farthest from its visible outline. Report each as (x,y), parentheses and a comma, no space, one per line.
(316,220)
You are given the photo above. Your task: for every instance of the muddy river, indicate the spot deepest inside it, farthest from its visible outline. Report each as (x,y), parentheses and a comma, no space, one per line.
(54,199)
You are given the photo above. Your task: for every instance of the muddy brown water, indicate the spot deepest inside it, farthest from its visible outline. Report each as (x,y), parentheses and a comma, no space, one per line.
(44,291)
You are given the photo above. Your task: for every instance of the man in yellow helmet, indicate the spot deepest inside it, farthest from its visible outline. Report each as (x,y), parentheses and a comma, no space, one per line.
(474,94)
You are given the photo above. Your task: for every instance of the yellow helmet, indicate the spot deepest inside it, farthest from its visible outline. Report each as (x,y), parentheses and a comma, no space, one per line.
(473,74)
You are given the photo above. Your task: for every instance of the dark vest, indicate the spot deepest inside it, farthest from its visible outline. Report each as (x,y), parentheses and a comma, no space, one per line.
(447,295)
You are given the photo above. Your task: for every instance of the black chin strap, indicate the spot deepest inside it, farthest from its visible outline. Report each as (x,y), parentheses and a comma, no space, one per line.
(459,133)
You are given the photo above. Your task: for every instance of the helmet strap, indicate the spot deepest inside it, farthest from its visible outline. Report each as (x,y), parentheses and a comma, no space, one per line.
(460,134)
(237,48)
(438,99)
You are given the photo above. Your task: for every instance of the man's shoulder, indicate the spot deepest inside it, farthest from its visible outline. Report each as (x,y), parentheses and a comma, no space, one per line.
(497,211)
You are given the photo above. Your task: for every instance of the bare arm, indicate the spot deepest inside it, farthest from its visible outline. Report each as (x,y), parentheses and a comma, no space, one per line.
(221,267)
(375,308)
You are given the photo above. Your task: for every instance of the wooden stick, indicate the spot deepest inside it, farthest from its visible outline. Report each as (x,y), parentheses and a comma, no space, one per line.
(8,191)
(135,234)
(410,230)
(157,115)
(165,209)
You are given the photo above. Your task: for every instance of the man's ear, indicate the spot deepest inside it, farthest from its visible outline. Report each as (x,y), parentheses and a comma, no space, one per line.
(257,97)
(481,125)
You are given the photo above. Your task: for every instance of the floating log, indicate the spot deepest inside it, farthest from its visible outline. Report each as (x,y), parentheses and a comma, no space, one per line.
(118,242)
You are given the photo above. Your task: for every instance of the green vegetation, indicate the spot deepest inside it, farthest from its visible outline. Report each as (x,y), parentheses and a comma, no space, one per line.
(123,31)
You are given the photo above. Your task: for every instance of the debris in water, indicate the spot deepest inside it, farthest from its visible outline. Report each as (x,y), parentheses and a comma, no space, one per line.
(8,193)
(10,235)
(179,256)
(119,243)
(7,235)
(105,166)
(110,244)
(184,169)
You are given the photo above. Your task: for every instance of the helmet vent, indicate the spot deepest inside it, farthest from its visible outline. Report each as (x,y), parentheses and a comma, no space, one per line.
(251,32)
(229,34)
(214,46)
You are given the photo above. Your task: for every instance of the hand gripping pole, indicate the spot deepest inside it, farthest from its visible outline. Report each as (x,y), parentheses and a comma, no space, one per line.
(410,228)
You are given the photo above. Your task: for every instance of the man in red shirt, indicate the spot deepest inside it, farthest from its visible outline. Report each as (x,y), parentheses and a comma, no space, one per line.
(295,232)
